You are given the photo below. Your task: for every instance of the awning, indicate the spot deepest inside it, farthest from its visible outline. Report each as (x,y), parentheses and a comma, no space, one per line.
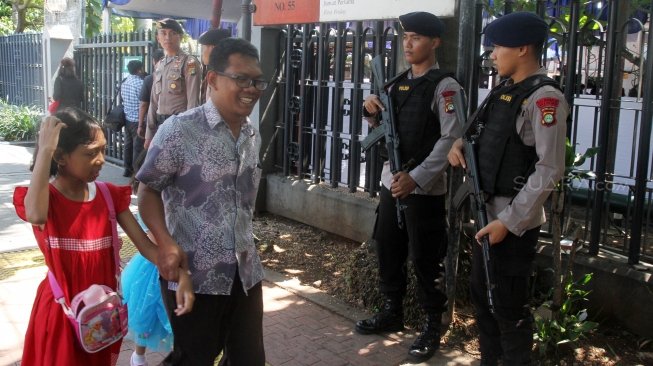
(198,9)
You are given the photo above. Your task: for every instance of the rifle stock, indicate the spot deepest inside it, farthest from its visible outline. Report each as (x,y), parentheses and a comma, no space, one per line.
(476,194)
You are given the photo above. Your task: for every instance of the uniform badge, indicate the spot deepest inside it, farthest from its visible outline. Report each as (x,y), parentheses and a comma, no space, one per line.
(192,66)
(449,106)
(173,86)
(506,98)
(548,108)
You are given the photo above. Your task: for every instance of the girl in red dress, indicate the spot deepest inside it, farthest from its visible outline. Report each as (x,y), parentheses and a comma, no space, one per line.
(71,224)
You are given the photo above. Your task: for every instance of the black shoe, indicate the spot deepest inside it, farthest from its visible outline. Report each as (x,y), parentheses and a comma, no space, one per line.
(389,319)
(428,340)
(127,173)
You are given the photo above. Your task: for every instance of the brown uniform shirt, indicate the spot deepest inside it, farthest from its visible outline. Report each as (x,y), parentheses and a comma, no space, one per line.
(175,88)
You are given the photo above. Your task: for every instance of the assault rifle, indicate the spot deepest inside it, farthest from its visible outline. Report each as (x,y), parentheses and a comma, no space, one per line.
(387,128)
(472,188)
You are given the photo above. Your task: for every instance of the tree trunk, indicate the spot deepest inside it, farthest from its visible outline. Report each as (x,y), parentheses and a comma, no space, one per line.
(20,12)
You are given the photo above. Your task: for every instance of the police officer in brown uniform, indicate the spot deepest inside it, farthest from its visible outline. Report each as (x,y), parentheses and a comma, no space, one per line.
(521,156)
(177,78)
(427,126)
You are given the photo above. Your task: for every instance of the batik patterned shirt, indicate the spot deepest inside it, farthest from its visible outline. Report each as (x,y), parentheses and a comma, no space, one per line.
(209,181)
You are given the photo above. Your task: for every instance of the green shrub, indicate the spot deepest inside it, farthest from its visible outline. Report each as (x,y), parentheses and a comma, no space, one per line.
(18,123)
(570,325)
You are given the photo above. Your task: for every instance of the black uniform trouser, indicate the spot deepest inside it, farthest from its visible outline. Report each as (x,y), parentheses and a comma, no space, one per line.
(423,238)
(507,334)
(133,145)
(230,323)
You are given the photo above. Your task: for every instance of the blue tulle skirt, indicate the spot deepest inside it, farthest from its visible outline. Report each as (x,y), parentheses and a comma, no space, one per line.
(148,322)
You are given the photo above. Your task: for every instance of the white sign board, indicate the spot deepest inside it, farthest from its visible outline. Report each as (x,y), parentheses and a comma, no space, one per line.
(351,10)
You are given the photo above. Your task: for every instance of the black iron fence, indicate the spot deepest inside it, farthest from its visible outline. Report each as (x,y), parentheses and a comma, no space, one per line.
(612,113)
(21,69)
(101,64)
(325,77)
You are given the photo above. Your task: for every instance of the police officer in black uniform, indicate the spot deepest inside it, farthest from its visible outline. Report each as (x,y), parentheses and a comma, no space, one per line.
(521,151)
(208,40)
(427,127)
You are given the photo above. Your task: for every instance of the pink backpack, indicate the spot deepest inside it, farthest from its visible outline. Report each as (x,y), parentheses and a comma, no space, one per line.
(98,315)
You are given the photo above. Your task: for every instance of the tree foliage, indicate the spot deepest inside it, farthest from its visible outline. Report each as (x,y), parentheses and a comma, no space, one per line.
(93,17)
(6,25)
(122,24)
(497,6)
(19,16)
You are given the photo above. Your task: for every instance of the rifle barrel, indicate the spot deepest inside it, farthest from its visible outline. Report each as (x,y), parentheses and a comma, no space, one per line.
(478,197)
(387,118)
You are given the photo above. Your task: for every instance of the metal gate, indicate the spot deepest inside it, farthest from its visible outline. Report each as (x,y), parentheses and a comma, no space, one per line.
(100,66)
(21,69)
(325,77)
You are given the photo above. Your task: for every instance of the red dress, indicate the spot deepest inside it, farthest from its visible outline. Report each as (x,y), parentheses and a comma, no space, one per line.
(80,254)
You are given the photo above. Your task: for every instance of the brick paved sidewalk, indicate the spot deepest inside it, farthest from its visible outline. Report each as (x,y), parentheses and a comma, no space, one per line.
(302,326)
(299,332)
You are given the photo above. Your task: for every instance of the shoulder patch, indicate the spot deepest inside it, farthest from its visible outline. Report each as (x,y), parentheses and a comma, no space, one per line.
(548,108)
(192,65)
(449,106)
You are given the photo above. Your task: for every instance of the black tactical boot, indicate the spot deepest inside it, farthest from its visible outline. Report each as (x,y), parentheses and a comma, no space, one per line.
(428,340)
(389,319)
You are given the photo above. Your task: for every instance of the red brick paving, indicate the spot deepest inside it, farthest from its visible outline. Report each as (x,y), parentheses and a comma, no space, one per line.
(299,332)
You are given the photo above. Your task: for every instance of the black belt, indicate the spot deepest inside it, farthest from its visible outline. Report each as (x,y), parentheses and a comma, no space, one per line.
(160,118)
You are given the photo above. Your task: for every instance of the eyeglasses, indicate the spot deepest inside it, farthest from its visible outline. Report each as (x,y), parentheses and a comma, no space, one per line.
(244,82)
